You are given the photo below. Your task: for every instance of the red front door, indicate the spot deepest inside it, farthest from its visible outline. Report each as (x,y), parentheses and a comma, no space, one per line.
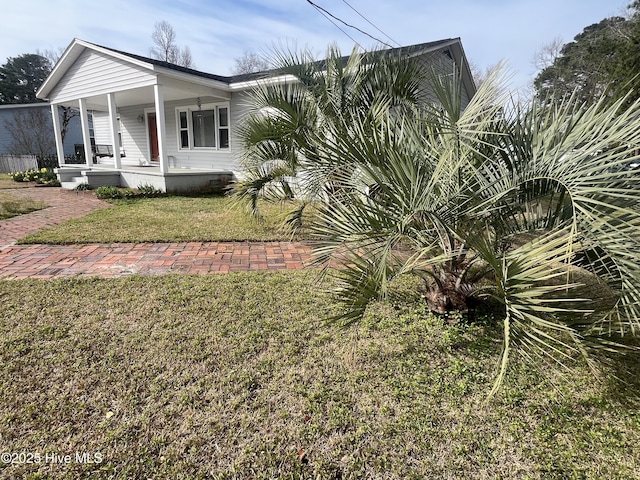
(153,135)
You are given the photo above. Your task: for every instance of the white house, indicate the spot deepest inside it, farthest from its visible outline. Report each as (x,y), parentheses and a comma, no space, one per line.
(145,121)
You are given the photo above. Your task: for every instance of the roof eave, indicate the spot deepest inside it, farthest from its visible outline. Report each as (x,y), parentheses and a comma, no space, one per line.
(247,84)
(167,72)
(465,69)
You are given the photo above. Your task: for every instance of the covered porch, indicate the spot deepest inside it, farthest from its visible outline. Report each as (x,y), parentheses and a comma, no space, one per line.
(144,122)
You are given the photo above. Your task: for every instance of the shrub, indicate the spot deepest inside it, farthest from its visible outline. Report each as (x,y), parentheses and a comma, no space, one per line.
(110,192)
(17,177)
(46,176)
(31,175)
(128,193)
(143,191)
(82,187)
(149,191)
(43,176)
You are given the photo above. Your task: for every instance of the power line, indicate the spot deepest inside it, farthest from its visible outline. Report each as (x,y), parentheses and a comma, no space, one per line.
(330,17)
(371,23)
(322,11)
(326,12)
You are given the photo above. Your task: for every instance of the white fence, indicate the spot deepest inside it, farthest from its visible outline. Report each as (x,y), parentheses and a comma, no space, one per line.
(17,163)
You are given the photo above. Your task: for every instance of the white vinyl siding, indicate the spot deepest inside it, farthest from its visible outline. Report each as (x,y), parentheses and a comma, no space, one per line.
(95,73)
(134,135)
(101,127)
(442,64)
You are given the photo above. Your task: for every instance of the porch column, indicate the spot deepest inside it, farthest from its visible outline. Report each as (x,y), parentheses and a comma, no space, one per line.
(86,137)
(113,120)
(161,128)
(58,134)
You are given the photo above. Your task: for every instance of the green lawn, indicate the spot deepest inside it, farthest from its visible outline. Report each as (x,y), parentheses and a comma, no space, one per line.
(167,219)
(13,205)
(237,376)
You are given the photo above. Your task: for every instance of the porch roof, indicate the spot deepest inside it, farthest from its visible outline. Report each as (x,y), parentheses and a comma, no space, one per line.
(179,82)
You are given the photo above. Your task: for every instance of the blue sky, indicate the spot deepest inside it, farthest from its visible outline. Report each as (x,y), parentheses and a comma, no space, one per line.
(218,31)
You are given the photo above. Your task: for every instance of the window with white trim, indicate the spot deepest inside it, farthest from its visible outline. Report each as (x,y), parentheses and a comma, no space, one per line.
(205,127)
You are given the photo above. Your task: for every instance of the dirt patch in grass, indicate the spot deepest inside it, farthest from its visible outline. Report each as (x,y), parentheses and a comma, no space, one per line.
(237,376)
(168,219)
(14,205)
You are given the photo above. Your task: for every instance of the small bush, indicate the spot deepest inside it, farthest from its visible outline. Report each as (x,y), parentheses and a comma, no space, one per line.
(83,187)
(17,177)
(42,176)
(128,193)
(31,175)
(143,191)
(111,192)
(149,191)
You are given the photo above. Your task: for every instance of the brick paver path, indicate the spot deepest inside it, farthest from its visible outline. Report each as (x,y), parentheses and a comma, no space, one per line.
(63,205)
(119,259)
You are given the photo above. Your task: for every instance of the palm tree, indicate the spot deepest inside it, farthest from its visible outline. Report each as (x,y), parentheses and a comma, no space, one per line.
(535,209)
(287,120)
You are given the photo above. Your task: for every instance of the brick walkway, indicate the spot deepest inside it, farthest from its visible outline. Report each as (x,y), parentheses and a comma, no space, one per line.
(120,259)
(63,205)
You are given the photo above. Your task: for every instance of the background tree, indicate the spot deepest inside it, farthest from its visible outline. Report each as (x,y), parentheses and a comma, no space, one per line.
(602,59)
(626,70)
(51,54)
(21,77)
(250,62)
(165,47)
(548,54)
(480,74)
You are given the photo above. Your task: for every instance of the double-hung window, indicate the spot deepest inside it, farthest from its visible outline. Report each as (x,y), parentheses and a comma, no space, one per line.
(203,127)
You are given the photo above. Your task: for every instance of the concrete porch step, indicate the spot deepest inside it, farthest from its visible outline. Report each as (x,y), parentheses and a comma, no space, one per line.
(67,174)
(73,183)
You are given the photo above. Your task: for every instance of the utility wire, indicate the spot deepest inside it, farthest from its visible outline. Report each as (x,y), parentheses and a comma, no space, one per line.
(331,17)
(328,16)
(370,23)
(326,12)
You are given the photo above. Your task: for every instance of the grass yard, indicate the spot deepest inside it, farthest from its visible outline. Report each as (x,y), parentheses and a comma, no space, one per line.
(167,219)
(14,205)
(7,183)
(236,376)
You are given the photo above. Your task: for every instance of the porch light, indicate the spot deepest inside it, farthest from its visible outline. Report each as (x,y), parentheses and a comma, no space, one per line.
(140,118)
